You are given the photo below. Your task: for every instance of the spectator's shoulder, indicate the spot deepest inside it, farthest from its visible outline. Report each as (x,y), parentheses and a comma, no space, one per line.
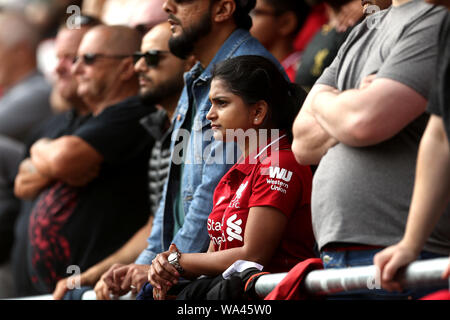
(283,158)
(38,83)
(130,107)
(251,46)
(428,16)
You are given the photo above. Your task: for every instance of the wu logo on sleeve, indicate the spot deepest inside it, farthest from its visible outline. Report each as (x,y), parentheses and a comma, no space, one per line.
(283,174)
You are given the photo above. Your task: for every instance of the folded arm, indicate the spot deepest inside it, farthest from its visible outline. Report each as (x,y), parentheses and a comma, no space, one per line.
(68,158)
(364,117)
(311,141)
(29,181)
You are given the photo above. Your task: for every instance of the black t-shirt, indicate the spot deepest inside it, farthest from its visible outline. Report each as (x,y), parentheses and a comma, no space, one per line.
(318,55)
(439,102)
(81,226)
(58,125)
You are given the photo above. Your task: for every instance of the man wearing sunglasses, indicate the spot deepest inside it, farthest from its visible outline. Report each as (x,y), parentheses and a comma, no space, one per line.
(161,82)
(98,198)
(29,182)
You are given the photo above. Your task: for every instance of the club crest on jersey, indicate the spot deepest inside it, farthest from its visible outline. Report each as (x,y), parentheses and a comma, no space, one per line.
(235,202)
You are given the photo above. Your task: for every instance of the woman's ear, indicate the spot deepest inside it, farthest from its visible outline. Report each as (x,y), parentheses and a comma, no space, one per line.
(260,111)
(223,10)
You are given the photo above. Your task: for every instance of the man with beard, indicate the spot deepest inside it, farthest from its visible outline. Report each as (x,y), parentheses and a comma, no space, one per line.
(161,82)
(98,172)
(211,30)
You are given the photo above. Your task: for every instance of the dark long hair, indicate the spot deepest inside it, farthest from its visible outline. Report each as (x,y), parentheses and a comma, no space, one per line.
(241,14)
(255,78)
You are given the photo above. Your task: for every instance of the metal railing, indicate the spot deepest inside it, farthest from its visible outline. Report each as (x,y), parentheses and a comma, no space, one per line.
(88,295)
(420,274)
(426,273)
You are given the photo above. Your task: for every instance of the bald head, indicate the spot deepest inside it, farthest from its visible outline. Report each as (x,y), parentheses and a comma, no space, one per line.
(109,77)
(118,40)
(158,37)
(68,40)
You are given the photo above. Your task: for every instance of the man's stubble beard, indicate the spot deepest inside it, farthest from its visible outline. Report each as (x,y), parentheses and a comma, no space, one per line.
(183,45)
(161,92)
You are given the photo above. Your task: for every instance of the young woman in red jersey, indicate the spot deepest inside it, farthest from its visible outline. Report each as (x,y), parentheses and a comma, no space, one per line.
(261,207)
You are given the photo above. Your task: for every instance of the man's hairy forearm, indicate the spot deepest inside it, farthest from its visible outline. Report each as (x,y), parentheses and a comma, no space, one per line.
(39,156)
(311,141)
(29,181)
(369,115)
(68,158)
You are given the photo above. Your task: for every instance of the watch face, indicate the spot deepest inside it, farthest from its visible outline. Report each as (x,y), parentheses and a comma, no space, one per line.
(172,257)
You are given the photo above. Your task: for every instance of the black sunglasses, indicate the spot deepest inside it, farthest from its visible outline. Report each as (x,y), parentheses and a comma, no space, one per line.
(152,57)
(90,58)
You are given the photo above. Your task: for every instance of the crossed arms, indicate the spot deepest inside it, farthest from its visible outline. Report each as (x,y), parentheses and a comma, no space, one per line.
(375,112)
(68,158)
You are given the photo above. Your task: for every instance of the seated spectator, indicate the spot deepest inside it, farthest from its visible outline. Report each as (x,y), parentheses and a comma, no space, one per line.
(261,207)
(212,31)
(276,24)
(99,171)
(362,123)
(65,86)
(161,83)
(432,183)
(29,182)
(25,101)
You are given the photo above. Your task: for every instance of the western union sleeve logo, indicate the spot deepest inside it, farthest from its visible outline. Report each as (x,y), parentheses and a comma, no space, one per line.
(282,174)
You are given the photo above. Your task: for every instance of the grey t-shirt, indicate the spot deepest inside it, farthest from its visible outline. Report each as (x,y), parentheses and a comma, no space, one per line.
(25,106)
(362,195)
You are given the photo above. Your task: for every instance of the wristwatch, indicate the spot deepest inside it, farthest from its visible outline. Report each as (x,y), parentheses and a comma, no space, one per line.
(174,259)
